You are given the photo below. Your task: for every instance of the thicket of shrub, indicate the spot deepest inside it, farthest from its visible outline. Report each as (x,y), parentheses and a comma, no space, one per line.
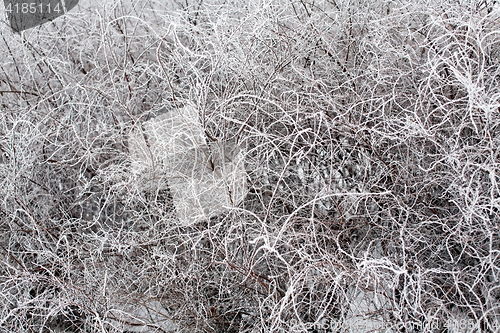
(371,133)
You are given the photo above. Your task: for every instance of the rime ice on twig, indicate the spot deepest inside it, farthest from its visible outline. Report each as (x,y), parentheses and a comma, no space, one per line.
(204,178)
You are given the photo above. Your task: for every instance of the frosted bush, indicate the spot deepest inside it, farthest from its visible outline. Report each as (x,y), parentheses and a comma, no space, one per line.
(335,165)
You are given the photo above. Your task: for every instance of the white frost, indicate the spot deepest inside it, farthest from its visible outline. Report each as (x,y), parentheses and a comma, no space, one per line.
(204,178)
